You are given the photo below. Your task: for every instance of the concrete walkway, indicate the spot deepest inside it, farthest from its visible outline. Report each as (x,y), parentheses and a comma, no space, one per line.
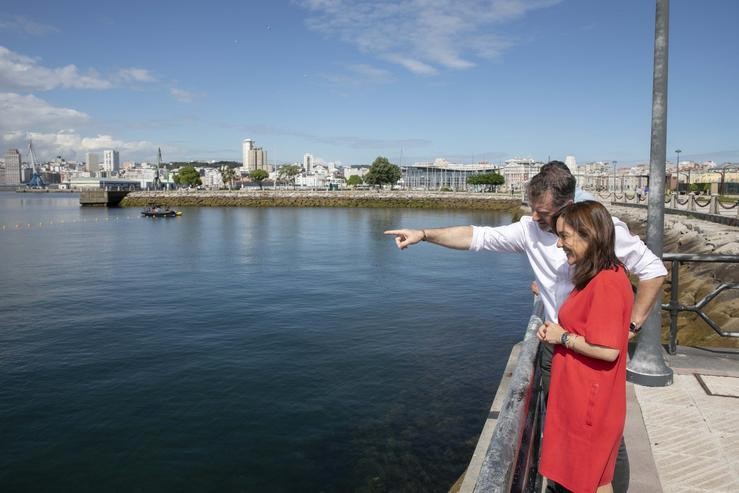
(685,437)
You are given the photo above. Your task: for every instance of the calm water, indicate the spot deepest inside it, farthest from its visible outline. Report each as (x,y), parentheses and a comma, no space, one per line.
(244,349)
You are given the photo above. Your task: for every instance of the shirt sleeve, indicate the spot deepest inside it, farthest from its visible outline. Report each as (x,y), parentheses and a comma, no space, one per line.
(510,238)
(605,323)
(635,255)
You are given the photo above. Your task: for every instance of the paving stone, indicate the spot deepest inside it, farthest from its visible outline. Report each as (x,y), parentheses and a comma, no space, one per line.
(694,445)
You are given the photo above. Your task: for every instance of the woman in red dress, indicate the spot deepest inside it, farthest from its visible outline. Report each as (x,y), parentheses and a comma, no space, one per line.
(586,409)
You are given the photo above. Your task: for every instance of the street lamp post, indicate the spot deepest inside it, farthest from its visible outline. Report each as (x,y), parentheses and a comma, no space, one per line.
(677,167)
(614,177)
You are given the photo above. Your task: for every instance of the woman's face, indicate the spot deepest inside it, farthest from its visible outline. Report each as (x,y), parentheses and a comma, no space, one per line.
(571,242)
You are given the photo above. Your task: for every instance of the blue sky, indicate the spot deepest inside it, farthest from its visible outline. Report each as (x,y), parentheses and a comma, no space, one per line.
(347,80)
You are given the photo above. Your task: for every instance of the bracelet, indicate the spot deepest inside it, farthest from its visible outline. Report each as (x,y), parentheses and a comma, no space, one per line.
(571,342)
(424,235)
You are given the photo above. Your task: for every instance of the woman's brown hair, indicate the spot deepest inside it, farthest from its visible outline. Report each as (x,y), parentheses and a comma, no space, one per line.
(593,223)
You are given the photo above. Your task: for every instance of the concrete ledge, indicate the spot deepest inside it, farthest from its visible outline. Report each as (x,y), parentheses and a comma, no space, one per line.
(643,470)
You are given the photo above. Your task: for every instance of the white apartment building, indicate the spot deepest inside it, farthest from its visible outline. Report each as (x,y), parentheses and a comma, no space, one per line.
(308,163)
(311,181)
(111,160)
(13,174)
(246,146)
(355,172)
(517,172)
(253,157)
(92,161)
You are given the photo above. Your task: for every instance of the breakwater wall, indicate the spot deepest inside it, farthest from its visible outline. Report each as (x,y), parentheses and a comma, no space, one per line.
(302,198)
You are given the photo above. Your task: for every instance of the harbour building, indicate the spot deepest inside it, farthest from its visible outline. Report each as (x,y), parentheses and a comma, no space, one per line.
(442,174)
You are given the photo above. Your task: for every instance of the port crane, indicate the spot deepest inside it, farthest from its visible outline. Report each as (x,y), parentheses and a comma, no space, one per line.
(36,180)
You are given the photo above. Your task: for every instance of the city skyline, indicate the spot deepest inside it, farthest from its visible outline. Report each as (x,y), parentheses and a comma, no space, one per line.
(347,81)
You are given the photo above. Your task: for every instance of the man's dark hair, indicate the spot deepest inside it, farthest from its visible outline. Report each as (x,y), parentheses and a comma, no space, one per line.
(554,177)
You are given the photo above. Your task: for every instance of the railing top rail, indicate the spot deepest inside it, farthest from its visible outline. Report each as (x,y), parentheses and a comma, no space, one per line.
(700,257)
(497,468)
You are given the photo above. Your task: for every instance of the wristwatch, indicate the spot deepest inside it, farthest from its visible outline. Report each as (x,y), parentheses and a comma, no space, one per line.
(633,328)
(565,338)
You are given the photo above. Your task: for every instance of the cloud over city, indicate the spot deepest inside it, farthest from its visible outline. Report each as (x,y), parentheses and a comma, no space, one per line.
(70,144)
(423,36)
(19,72)
(30,112)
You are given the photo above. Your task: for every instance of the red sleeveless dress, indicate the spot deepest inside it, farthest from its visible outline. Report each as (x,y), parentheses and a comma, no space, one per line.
(586,410)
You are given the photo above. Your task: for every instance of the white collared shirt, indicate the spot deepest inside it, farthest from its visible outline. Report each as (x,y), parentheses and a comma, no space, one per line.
(549,262)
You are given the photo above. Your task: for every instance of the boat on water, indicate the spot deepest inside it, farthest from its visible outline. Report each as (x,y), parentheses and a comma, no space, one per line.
(159,211)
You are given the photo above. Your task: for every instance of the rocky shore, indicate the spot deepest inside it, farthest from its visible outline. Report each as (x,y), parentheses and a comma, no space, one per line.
(344,198)
(696,280)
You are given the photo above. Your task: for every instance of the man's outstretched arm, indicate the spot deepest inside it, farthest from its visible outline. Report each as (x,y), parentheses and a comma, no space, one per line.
(457,237)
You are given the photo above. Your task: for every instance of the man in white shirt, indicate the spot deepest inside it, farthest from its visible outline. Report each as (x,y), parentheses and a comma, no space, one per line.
(549,191)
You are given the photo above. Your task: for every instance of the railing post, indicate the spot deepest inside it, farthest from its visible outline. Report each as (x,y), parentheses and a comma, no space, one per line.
(673,200)
(674,283)
(691,201)
(713,208)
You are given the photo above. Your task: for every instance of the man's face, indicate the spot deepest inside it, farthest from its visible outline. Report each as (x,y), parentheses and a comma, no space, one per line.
(543,209)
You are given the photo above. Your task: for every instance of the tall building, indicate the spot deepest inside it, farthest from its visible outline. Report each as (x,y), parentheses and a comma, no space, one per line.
(93,163)
(571,164)
(246,146)
(254,157)
(308,163)
(111,160)
(12,168)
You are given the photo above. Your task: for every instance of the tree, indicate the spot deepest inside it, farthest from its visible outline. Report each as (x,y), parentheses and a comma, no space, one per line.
(382,171)
(490,180)
(288,173)
(188,177)
(227,175)
(354,180)
(258,176)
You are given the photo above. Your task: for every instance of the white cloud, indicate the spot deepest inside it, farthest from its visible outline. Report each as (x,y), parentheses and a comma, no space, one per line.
(25,25)
(29,112)
(69,144)
(423,36)
(359,74)
(52,130)
(19,72)
(181,95)
(133,74)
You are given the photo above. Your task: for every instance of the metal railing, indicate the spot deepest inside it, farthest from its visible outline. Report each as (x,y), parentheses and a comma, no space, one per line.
(675,307)
(511,460)
(709,208)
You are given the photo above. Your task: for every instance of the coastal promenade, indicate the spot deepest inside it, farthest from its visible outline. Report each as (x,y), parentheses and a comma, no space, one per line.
(683,438)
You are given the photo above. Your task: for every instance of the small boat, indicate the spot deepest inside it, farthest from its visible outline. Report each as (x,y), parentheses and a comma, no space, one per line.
(159,211)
